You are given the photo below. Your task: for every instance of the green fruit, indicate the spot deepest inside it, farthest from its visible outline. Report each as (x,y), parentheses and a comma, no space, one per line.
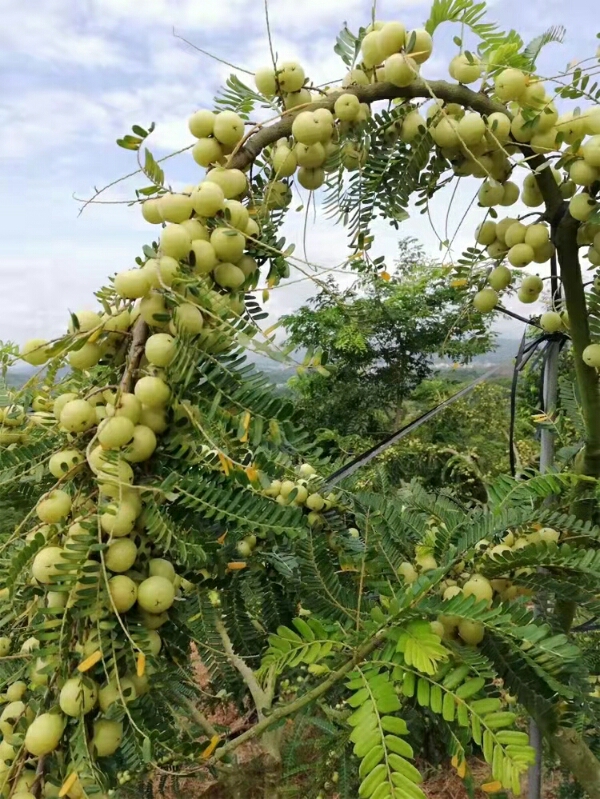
(142,444)
(591,355)
(34,351)
(520,255)
(159,567)
(291,76)
(64,461)
(78,696)
(45,562)
(156,594)
(471,632)
(551,321)
(208,199)
(115,432)
(132,284)
(479,587)
(228,128)
(77,416)
(123,592)
(500,278)
(120,555)
(228,244)
(207,152)
(43,734)
(112,692)
(160,350)
(152,392)
(419,44)
(107,737)
(486,233)
(581,206)
(485,300)
(54,507)
(266,81)
(401,70)
(201,124)
(175,241)
(233,182)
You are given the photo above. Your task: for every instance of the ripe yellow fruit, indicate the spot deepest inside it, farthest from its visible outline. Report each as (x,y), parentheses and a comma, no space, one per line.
(591,151)
(228,244)
(153,418)
(123,592)
(532,284)
(551,321)
(160,350)
(233,182)
(160,567)
(77,416)
(161,271)
(413,125)
(307,129)
(490,193)
(107,737)
(228,276)
(120,555)
(372,54)
(520,255)
(208,199)
(591,355)
(151,212)
(206,152)
(175,241)
(581,206)
(471,632)
(43,734)
(536,236)
(34,351)
(401,69)
(511,193)
(419,44)
(346,108)
(465,68)
(64,461)
(127,405)
(544,253)
(479,587)
(175,207)
(471,128)
(291,76)
(156,594)
(187,318)
(582,174)
(152,391)
(78,695)
(549,535)
(228,128)
(118,519)
(498,125)
(266,81)
(392,38)
(201,124)
(16,691)
(510,84)
(54,507)
(247,264)
(485,300)
(44,565)
(85,357)
(115,432)
(500,277)
(132,284)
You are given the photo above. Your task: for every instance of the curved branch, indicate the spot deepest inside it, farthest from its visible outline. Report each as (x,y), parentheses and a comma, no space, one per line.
(441,89)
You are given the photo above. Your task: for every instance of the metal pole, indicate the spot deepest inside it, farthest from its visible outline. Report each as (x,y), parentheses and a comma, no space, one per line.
(550,392)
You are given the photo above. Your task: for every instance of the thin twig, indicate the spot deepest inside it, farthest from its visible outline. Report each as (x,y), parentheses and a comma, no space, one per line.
(246,673)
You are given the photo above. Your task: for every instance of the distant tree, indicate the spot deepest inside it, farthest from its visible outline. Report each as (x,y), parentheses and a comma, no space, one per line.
(381,338)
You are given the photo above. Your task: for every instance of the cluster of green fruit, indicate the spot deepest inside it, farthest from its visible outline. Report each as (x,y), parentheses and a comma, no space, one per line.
(466,583)
(302,492)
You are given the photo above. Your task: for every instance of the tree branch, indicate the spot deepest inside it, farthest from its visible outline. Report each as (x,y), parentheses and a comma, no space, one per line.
(449,92)
(258,695)
(134,356)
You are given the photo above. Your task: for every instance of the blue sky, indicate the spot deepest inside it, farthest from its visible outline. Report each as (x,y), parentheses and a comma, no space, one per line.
(76,75)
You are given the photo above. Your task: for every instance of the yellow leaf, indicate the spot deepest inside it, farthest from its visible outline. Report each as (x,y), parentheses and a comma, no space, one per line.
(95,336)
(211,747)
(225,463)
(221,538)
(459,283)
(141,664)
(87,664)
(385,276)
(462,769)
(492,787)
(68,784)
(252,473)
(246,424)
(454,761)
(265,295)
(236,565)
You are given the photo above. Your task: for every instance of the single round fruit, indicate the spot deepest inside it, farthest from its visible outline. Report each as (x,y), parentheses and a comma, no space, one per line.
(120,555)
(311,179)
(266,82)
(445,132)
(248,265)
(498,125)
(187,318)
(591,355)
(156,594)
(392,38)
(110,693)
(500,277)
(43,734)
(510,84)
(152,391)
(153,418)
(127,405)
(347,107)
(162,271)
(159,567)
(490,193)
(591,151)
(228,276)
(115,432)
(142,445)
(78,696)
(45,562)
(465,68)
(401,70)
(208,199)
(408,572)
(471,128)
(471,632)
(581,206)
(544,253)
(371,50)
(77,416)
(520,255)
(34,351)
(532,284)
(151,212)
(118,519)
(201,124)
(132,284)
(307,129)
(85,357)
(511,193)
(54,507)
(107,737)
(207,152)
(284,162)
(175,241)
(154,642)
(228,128)
(419,45)
(485,300)
(175,207)
(551,321)
(123,592)
(479,587)
(228,244)
(233,182)
(160,350)
(291,76)
(16,690)
(537,236)
(582,174)
(64,461)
